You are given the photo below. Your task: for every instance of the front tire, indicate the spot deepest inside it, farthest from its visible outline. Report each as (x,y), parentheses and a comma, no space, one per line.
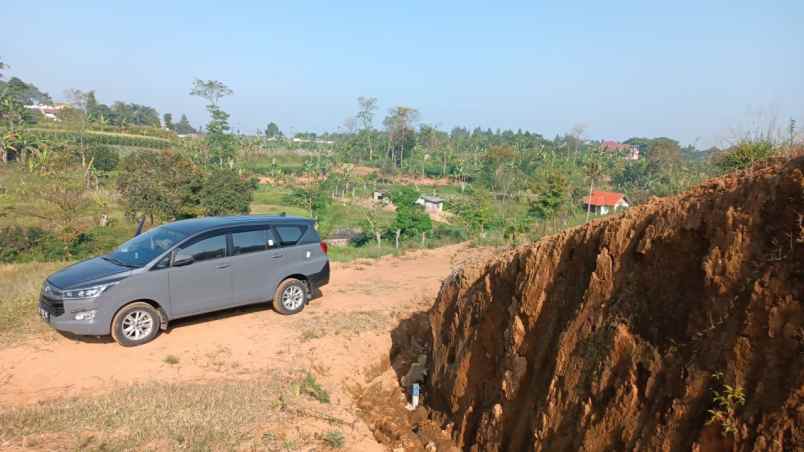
(136,324)
(290,297)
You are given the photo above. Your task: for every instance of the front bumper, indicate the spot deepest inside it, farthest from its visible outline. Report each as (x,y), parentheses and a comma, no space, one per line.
(60,314)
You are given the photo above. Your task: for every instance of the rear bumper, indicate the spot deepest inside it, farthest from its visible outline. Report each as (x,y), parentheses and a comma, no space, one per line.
(321,278)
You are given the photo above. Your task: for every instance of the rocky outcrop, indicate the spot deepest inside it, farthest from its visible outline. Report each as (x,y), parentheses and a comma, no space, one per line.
(618,335)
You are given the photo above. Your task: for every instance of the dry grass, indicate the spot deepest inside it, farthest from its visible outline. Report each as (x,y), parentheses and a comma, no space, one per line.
(342,324)
(19,294)
(259,414)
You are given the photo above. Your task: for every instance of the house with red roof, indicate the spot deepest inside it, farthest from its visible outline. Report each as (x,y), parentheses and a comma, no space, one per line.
(603,202)
(629,151)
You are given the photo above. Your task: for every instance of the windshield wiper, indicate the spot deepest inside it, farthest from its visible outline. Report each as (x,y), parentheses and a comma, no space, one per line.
(118,262)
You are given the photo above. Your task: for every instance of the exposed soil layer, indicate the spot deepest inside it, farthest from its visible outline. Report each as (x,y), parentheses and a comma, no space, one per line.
(609,336)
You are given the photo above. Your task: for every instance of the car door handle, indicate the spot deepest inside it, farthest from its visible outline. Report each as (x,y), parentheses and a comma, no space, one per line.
(222,266)
(276,256)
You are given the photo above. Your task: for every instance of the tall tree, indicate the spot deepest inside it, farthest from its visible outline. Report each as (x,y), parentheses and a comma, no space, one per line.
(272,130)
(211,90)
(167,120)
(183,127)
(401,134)
(365,115)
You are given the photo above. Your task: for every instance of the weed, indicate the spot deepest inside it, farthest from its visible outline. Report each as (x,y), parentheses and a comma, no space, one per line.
(334,439)
(728,399)
(311,387)
(171,360)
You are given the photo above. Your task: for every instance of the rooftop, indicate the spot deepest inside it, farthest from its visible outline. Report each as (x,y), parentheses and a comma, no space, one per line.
(603,198)
(195,225)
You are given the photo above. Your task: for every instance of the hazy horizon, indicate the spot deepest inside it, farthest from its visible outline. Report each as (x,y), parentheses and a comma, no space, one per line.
(691,72)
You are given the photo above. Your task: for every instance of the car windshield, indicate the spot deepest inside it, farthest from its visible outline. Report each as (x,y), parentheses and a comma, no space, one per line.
(145,247)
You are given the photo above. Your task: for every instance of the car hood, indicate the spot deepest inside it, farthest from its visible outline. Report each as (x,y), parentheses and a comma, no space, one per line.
(93,271)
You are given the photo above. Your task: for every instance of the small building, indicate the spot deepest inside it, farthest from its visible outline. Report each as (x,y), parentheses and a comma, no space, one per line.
(629,151)
(603,202)
(380,196)
(341,237)
(431,203)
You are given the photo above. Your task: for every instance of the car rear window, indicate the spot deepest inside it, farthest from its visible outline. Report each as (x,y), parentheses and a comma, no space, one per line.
(290,234)
(250,241)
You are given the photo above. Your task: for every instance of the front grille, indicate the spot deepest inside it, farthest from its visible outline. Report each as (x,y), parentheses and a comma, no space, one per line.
(53,307)
(50,300)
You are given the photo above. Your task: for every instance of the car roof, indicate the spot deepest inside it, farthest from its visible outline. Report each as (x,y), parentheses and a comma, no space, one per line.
(196,225)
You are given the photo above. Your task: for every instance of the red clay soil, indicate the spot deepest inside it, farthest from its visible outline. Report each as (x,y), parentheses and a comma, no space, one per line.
(608,336)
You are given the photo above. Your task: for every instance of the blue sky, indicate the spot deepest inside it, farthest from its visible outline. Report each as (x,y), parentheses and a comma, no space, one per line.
(695,71)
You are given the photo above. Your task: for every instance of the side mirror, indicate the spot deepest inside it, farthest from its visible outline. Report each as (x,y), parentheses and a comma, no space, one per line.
(181,260)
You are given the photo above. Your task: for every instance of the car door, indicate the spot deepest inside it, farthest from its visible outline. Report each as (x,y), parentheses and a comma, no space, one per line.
(256,259)
(296,254)
(201,276)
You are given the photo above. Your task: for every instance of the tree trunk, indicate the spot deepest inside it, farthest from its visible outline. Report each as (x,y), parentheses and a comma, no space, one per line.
(398,233)
(378,235)
(589,204)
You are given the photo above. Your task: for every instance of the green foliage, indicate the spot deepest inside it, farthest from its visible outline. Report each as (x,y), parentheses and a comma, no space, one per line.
(309,386)
(160,185)
(183,127)
(24,93)
(225,192)
(728,399)
(104,158)
(334,439)
(18,241)
(411,219)
(552,195)
(100,138)
(272,131)
(744,155)
(221,143)
(475,210)
(310,198)
(167,121)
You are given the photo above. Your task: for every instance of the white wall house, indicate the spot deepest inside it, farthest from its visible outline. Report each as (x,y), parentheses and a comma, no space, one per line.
(604,202)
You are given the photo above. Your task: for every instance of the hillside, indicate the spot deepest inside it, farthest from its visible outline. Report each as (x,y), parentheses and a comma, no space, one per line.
(619,335)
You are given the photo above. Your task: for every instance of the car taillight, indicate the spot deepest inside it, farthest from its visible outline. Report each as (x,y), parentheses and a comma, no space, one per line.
(325,247)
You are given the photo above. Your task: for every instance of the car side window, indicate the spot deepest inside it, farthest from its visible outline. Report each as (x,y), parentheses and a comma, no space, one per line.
(290,235)
(206,249)
(251,241)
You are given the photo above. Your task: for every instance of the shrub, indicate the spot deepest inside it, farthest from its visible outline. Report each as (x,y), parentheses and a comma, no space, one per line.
(744,155)
(18,241)
(334,439)
(225,192)
(104,158)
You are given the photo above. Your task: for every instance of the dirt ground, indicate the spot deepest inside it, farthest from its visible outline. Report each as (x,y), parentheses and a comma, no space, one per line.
(342,338)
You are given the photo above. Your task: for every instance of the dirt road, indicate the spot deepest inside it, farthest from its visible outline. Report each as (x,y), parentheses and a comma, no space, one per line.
(338,337)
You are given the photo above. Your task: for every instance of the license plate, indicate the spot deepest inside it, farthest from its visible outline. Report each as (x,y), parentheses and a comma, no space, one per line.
(45,315)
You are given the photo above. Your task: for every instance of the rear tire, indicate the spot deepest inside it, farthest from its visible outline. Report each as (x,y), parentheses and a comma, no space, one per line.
(136,324)
(290,297)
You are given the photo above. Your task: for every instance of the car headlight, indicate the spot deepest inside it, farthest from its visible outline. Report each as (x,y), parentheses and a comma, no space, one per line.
(86,292)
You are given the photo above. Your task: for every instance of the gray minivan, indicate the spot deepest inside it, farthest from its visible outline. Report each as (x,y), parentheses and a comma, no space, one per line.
(186,268)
